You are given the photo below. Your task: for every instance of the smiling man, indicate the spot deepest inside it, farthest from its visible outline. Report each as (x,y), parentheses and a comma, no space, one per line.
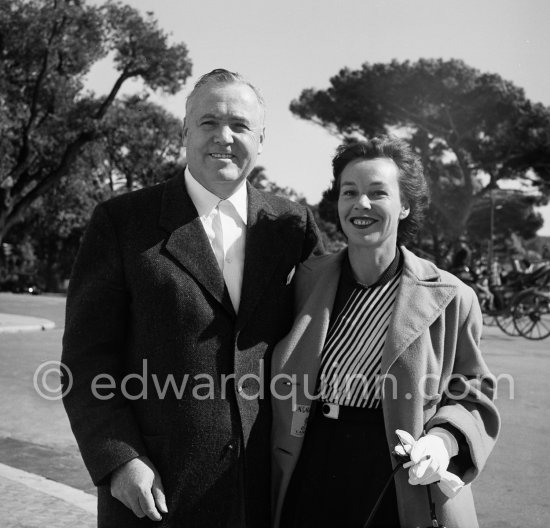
(177,298)
(223,133)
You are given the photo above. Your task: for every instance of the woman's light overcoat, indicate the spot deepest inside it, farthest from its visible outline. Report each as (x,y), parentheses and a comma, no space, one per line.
(432,373)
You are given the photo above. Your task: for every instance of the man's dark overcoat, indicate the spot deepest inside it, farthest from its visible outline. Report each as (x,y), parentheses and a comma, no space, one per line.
(161,364)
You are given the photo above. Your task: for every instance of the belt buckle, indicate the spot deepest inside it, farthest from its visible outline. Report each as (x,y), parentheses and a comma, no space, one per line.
(331,410)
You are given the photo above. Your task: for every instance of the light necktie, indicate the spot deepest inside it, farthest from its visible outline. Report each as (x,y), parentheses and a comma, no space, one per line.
(218,237)
(232,246)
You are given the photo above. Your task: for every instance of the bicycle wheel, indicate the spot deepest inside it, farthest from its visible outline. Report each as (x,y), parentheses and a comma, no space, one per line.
(505,321)
(531,313)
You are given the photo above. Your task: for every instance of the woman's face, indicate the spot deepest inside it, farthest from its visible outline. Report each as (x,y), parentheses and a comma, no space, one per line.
(369,203)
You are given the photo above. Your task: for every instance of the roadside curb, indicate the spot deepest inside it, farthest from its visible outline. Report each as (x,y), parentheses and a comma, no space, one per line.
(73,496)
(11,323)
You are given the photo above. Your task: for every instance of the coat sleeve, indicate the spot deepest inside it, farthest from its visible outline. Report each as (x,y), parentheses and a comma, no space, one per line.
(313,244)
(468,404)
(93,350)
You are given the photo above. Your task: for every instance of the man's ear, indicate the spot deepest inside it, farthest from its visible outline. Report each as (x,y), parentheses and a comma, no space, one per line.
(184,132)
(405,210)
(261,142)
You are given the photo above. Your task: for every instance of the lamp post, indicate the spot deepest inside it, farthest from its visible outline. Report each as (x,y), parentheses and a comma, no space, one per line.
(492,230)
(493,268)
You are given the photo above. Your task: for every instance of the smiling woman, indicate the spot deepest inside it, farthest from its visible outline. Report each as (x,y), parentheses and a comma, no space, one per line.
(370,209)
(375,312)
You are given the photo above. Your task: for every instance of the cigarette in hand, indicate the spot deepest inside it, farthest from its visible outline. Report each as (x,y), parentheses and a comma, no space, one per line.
(411,463)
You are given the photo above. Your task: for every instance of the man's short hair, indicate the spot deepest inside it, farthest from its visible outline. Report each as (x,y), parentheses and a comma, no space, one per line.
(222,76)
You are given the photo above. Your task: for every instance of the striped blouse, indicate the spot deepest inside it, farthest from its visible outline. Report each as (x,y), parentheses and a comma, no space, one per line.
(352,355)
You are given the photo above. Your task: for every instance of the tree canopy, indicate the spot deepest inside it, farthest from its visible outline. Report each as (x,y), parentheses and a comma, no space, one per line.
(46,115)
(139,146)
(470,128)
(258,179)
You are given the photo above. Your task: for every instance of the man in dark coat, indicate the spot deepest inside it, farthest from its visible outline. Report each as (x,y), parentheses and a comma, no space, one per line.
(178,296)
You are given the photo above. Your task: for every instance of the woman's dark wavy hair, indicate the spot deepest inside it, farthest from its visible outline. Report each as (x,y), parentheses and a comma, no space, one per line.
(412,183)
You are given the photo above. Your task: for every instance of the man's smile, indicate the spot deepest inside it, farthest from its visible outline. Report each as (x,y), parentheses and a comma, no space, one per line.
(216,155)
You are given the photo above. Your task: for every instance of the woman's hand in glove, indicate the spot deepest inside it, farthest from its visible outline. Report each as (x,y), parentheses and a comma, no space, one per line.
(429,460)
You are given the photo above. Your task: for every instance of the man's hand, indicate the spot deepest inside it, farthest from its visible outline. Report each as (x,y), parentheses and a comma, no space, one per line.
(138,486)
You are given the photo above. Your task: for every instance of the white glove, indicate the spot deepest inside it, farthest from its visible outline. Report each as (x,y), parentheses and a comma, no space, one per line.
(429,459)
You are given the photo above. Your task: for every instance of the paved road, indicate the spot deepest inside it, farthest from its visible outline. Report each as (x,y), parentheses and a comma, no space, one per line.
(514,491)
(35,435)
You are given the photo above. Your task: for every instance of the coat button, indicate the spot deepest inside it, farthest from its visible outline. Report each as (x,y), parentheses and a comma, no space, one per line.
(231,446)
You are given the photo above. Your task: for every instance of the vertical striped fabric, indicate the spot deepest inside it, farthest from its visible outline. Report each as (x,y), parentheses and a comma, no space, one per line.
(351,358)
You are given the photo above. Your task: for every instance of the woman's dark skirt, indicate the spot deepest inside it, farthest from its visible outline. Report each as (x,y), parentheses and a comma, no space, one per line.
(342,469)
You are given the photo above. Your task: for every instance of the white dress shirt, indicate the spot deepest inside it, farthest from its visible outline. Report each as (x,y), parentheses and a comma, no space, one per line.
(224,222)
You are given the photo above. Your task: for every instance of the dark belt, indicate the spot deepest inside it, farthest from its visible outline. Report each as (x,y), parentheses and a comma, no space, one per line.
(333,411)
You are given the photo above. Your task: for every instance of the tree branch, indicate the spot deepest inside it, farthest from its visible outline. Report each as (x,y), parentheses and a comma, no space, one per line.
(452,123)
(24,155)
(111,97)
(465,170)
(71,152)
(21,176)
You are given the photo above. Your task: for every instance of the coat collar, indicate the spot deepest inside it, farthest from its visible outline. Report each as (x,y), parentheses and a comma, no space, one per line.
(188,243)
(264,244)
(189,246)
(422,296)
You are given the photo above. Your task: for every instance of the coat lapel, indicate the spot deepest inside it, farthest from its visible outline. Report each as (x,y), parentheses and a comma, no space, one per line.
(188,243)
(420,300)
(264,246)
(316,315)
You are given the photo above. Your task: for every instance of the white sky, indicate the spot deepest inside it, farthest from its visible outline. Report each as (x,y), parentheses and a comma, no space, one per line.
(285,46)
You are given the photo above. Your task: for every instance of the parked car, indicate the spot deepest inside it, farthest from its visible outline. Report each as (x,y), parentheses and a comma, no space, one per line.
(22,284)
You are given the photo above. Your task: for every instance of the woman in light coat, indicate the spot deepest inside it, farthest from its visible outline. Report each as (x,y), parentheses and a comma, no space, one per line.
(383,341)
